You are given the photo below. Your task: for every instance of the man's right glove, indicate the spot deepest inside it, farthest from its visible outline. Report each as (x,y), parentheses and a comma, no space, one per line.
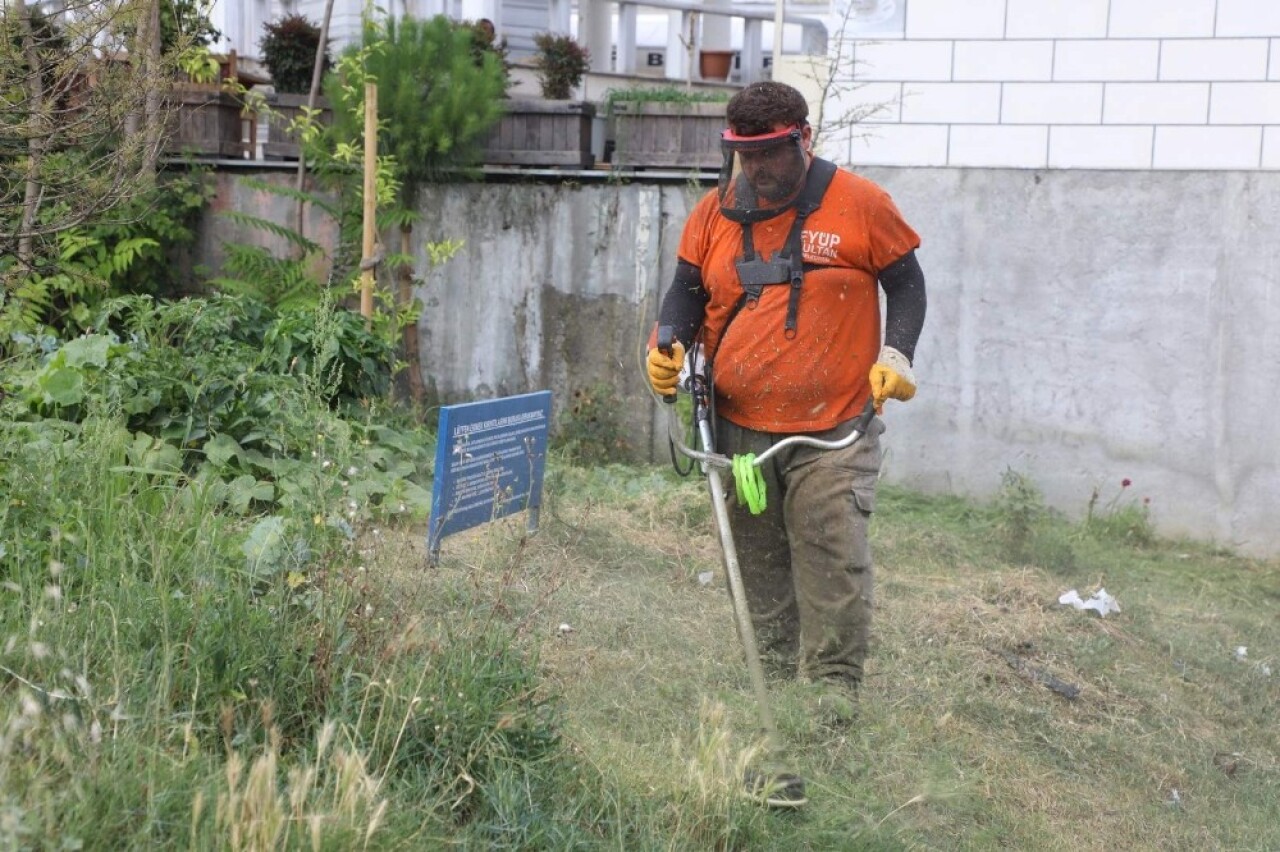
(891,377)
(664,370)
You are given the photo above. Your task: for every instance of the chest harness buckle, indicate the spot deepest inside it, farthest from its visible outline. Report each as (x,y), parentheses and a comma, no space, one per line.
(787,264)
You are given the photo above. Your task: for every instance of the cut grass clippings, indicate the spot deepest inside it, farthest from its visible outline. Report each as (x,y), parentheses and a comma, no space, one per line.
(1169,742)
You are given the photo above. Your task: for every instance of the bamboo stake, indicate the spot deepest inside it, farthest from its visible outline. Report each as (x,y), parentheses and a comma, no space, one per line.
(317,69)
(367,261)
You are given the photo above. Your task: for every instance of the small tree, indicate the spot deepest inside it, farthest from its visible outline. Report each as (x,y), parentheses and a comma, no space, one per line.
(562,62)
(437,101)
(289,52)
(830,79)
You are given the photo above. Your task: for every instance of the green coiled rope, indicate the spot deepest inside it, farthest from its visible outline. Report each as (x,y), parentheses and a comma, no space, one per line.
(749,480)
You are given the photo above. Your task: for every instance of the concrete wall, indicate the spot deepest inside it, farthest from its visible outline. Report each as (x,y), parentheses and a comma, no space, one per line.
(555,288)
(1084,327)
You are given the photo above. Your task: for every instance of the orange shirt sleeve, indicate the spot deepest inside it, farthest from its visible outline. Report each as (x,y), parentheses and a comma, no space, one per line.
(695,239)
(889,237)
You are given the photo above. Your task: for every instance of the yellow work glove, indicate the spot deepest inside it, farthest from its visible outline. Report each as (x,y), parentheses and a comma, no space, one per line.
(891,378)
(664,370)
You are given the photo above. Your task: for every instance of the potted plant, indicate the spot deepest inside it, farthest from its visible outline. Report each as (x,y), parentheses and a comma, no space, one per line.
(561,64)
(289,48)
(552,131)
(666,126)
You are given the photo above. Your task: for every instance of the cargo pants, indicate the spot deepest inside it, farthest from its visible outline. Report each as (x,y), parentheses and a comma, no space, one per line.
(806,560)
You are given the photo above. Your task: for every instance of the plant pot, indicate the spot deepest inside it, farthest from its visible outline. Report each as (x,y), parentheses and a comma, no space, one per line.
(715,65)
(667,135)
(206,122)
(282,144)
(542,133)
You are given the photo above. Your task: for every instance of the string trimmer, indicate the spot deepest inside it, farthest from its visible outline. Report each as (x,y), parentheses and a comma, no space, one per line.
(777,789)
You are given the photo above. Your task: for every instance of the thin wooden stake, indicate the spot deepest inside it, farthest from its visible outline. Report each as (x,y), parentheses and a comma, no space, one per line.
(367,262)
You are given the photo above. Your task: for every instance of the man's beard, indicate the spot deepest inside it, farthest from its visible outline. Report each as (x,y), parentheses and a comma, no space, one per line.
(775,186)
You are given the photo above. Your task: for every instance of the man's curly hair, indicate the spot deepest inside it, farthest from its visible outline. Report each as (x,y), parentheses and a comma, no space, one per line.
(758,107)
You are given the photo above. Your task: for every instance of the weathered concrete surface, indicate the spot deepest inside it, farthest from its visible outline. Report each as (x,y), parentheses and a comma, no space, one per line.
(1087,327)
(1084,327)
(555,288)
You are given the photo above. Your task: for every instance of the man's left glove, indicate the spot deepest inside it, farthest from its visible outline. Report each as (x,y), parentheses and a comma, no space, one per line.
(664,370)
(891,378)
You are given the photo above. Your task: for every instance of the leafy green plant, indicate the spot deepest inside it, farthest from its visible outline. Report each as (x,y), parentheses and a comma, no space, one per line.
(186,22)
(282,280)
(561,64)
(226,393)
(1122,518)
(1025,531)
(485,42)
(358,360)
(289,52)
(590,430)
(130,250)
(662,94)
(435,101)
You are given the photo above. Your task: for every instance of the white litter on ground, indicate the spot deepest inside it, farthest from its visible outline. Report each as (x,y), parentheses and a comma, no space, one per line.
(1101,602)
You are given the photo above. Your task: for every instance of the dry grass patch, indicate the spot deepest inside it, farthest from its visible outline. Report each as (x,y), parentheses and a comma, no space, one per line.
(955,746)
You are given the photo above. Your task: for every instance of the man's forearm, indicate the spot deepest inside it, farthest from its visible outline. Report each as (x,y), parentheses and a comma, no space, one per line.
(685,303)
(905,302)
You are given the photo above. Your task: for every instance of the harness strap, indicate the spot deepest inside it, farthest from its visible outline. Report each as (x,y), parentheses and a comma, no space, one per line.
(787,265)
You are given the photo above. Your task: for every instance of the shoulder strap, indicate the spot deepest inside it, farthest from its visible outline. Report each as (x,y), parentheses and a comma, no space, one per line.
(815,187)
(787,266)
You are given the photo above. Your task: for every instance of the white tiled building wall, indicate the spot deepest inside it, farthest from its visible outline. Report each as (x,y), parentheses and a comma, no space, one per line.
(1103,84)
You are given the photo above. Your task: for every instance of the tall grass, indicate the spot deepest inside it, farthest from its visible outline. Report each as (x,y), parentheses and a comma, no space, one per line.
(181,671)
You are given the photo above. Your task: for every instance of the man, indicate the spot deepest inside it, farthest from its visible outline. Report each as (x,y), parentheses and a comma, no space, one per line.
(787,317)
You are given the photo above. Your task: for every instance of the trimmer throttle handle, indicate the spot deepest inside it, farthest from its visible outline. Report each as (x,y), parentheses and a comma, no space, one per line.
(666,339)
(864,419)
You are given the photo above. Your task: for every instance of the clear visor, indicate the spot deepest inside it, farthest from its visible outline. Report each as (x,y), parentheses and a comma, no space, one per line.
(761,175)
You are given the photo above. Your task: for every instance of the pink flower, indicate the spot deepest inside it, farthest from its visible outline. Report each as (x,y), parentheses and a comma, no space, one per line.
(1126,482)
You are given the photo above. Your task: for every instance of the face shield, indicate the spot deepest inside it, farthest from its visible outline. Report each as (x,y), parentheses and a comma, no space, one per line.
(762,175)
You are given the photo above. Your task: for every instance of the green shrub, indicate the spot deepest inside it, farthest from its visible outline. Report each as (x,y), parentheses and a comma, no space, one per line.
(561,64)
(1028,533)
(436,103)
(590,430)
(289,52)
(1122,519)
(132,250)
(662,94)
(251,403)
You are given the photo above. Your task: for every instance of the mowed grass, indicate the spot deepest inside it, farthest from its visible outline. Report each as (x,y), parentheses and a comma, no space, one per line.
(1171,743)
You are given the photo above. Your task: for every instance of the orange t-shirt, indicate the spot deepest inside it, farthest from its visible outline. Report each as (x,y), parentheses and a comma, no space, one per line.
(818,378)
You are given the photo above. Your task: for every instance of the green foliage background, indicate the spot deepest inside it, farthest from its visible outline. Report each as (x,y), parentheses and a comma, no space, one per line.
(437,96)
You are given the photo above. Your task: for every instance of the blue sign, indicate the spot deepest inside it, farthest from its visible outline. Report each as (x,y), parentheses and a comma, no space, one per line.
(490,457)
